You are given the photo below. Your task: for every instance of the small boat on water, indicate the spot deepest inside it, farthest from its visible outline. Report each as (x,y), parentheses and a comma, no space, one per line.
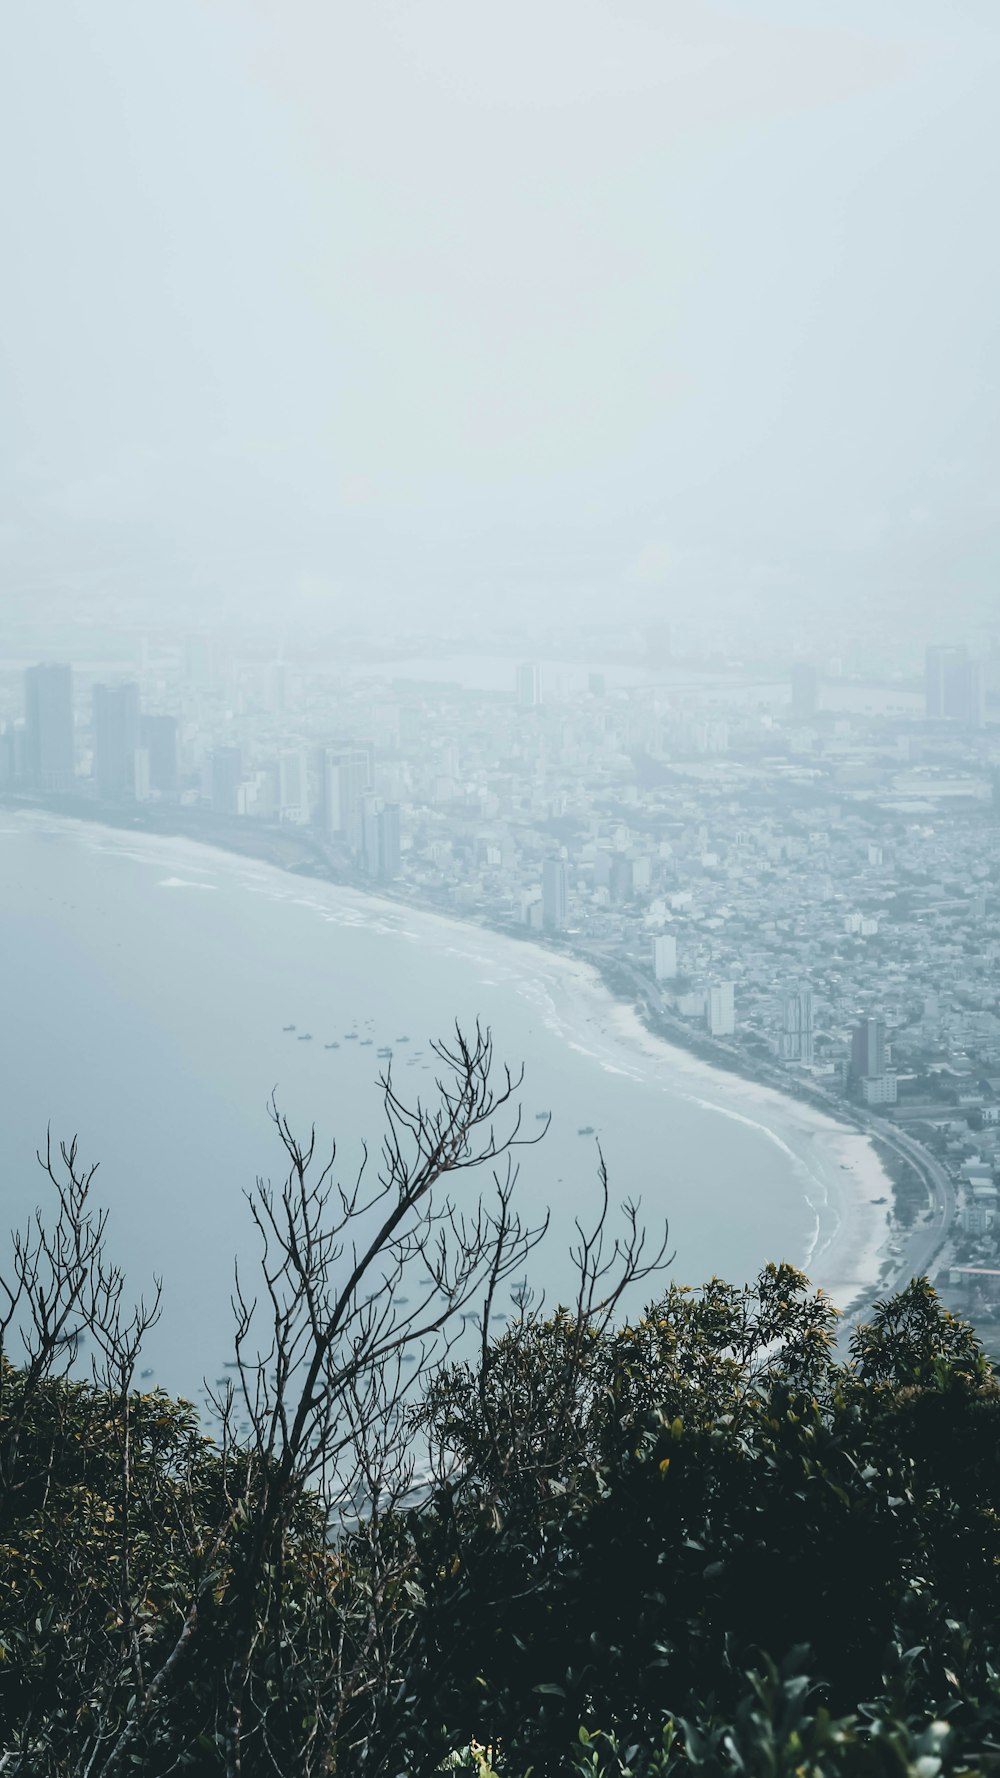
(350,1036)
(288,1027)
(331,1046)
(402,1040)
(542,1114)
(385,1051)
(586,1130)
(305,1037)
(365,1043)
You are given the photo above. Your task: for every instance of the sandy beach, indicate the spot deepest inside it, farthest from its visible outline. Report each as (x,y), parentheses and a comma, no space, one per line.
(842,1172)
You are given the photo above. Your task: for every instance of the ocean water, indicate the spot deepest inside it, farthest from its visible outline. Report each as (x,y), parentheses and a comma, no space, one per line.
(145,985)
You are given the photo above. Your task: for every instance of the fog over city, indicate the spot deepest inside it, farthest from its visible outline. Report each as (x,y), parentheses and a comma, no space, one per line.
(499,888)
(314,314)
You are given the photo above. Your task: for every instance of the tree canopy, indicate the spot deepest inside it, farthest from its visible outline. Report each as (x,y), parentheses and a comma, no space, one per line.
(696,1537)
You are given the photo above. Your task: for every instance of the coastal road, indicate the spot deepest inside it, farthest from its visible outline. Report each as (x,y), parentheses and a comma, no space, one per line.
(923,1242)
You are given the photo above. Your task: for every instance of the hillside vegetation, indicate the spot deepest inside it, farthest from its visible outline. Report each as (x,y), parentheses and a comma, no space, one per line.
(689,1538)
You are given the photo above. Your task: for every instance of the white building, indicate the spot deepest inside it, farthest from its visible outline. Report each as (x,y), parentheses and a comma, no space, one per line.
(722,1009)
(555,895)
(664,957)
(879,1089)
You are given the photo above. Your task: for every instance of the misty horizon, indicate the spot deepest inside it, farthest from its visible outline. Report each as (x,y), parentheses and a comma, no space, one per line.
(425,313)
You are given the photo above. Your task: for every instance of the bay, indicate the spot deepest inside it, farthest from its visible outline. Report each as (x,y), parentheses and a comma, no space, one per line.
(145,986)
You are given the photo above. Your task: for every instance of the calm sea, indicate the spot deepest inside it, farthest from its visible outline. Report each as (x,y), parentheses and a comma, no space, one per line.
(145,986)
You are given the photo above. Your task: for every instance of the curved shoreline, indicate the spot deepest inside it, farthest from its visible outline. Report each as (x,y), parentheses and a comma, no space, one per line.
(842,1173)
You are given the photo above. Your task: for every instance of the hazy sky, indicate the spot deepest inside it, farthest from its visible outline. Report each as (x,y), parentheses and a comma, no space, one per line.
(309,301)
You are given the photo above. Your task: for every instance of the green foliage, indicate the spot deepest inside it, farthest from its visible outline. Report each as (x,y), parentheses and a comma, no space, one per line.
(729,1492)
(699,1541)
(98,1585)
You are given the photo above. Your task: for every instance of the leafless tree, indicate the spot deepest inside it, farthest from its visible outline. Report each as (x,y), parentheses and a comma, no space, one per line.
(522,1414)
(297,1568)
(326,1388)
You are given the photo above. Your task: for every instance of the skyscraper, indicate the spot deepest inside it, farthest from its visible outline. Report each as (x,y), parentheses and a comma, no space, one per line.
(529,685)
(389,854)
(345,776)
(954,686)
(722,1009)
(293,786)
(665,957)
(369,806)
(48,737)
(116,738)
(555,895)
(868,1049)
(797,1035)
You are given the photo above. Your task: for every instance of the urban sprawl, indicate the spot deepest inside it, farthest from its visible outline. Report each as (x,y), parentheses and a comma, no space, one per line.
(797,875)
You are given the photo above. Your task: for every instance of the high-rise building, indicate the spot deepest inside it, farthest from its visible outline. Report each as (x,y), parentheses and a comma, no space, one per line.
(805,691)
(226,779)
(116,737)
(389,850)
(555,895)
(379,850)
(293,786)
(665,957)
(158,735)
(142,786)
(48,731)
(366,850)
(345,776)
(721,1009)
(955,686)
(620,879)
(868,1060)
(797,1037)
(529,685)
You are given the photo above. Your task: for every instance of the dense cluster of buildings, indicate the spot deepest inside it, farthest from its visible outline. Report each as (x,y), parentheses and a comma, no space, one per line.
(807,868)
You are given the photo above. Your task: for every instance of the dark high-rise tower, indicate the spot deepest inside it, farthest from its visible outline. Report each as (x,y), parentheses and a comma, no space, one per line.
(868,1049)
(116,738)
(48,738)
